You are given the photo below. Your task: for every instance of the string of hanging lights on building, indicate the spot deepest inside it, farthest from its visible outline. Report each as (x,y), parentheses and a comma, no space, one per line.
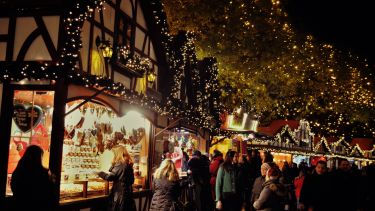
(67,67)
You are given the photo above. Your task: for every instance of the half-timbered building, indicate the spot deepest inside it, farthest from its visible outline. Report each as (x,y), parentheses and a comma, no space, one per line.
(79,77)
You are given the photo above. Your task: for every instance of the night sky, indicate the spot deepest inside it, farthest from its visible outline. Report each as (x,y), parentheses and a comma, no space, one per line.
(348,25)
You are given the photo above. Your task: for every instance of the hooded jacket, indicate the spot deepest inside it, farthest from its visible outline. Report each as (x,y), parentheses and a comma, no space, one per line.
(272,197)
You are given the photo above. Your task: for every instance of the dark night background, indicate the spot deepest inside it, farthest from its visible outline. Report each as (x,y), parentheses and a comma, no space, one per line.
(348,25)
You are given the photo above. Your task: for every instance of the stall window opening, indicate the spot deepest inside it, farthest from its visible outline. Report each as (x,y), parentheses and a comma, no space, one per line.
(31,125)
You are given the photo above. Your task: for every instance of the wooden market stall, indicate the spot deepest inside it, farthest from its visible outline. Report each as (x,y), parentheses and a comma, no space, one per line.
(79,77)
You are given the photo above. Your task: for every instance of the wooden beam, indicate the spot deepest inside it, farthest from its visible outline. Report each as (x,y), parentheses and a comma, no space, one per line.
(26,45)
(85,101)
(166,128)
(46,37)
(3,37)
(11,36)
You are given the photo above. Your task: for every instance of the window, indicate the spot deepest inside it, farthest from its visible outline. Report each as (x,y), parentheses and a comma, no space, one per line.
(31,125)
(90,134)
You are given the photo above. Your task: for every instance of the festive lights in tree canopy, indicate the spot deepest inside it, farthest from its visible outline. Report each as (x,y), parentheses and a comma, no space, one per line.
(268,68)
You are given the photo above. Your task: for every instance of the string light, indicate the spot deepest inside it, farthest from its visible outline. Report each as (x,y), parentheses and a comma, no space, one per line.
(66,67)
(321,148)
(279,73)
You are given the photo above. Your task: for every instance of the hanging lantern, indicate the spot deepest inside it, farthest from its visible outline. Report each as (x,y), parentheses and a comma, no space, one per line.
(105,47)
(151,77)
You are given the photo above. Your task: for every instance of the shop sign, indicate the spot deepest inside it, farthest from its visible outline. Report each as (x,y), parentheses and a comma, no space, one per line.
(24,116)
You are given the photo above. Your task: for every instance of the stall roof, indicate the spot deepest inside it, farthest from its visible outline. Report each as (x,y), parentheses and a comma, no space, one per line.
(363,143)
(276,125)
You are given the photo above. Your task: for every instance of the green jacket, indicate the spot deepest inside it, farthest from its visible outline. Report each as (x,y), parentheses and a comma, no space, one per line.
(225,182)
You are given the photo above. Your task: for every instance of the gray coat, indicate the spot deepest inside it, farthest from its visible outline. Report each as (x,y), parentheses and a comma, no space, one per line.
(257,188)
(165,195)
(272,197)
(120,198)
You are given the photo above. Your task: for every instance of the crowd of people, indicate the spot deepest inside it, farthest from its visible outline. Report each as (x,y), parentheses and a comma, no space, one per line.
(232,182)
(247,182)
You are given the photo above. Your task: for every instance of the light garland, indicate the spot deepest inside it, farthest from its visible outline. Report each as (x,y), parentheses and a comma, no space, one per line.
(66,67)
(276,144)
(133,62)
(180,51)
(322,141)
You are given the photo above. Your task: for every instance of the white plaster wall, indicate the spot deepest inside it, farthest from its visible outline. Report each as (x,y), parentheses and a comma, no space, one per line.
(126,7)
(122,79)
(24,26)
(140,17)
(52,24)
(3,50)
(85,34)
(109,17)
(4,25)
(37,51)
(139,38)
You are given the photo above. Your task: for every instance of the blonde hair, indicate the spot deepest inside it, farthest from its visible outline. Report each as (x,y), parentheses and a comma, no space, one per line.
(121,155)
(167,170)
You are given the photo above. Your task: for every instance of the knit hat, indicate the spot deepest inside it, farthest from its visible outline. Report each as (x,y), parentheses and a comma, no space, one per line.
(265,166)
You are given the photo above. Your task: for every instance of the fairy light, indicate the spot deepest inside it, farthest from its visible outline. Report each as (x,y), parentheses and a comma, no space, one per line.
(66,67)
(282,75)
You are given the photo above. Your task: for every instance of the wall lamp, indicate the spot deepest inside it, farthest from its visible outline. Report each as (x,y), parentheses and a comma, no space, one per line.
(105,47)
(151,77)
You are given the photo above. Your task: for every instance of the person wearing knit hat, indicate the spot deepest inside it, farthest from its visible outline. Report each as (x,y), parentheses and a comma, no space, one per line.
(264,168)
(273,195)
(257,186)
(273,173)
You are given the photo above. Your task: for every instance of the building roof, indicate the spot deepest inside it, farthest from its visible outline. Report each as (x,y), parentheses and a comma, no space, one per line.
(276,126)
(363,143)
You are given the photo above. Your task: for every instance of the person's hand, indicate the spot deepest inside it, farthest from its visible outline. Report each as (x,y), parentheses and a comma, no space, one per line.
(219,205)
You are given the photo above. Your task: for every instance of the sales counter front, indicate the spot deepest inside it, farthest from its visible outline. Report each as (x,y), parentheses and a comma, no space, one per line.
(142,200)
(91,131)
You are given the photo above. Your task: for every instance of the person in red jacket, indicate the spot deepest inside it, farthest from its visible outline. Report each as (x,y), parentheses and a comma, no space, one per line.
(214,167)
(298,182)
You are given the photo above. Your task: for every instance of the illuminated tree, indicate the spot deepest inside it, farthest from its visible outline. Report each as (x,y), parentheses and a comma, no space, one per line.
(272,71)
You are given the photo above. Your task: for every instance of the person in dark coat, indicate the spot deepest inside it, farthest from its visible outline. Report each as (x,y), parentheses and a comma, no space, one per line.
(255,163)
(185,160)
(206,199)
(244,183)
(316,192)
(197,178)
(227,194)
(273,194)
(366,188)
(166,188)
(31,183)
(122,175)
(214,167)
(257,186)
(344,187)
